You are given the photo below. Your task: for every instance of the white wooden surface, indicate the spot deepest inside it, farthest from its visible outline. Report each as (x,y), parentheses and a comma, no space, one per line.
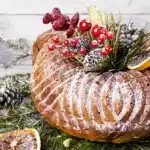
(22,18)
(70,6)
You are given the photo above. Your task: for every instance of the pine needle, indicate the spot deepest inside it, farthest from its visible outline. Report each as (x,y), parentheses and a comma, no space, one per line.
(116,43)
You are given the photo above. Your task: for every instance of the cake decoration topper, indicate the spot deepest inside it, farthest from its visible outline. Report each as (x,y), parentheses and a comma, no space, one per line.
(99,43)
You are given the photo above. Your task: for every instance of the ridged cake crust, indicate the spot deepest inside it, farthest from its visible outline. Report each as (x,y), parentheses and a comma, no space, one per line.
(99,107)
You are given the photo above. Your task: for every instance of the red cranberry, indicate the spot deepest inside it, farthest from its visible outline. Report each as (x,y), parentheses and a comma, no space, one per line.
(82,51)
(84,25)
(108,49)
(104,31)
(56,39)
(70,32)
(110,35)
(65,52)
(67,23)
(74,42)
(59,23)
(94,44)
(67,19)
(74,20)
(56,13)
(51,47)
(72,55)
(66,43)
(96,31)
(101,38)
(100,41)
(47,18)
(103,52)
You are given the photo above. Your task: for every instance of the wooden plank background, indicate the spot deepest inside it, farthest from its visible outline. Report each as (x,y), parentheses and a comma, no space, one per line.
(23,19)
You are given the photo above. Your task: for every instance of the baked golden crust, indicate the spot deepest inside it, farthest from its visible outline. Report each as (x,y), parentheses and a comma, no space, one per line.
(99,107)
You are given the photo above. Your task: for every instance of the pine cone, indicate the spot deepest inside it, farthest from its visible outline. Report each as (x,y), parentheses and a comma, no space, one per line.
(10,97)
(13,89)
(94,61)
(128,36)
(82,43)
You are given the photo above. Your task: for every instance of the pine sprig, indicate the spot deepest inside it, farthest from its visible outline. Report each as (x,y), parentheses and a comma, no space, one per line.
(132,52)
(18,81)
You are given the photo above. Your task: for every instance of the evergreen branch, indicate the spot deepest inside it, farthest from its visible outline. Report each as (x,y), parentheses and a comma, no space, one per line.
(136,47)
(16,60)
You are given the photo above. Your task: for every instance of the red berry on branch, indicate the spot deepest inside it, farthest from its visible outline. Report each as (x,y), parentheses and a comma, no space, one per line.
(110,35)
(56,13)
(73,55)
(94,44)
(96,31)
(108,49)
(101,38)
(59,23)
(100,41)
(56,39)
(70,32)
(66,43)
(84,25)
(82,51)
(51,47)
(104,31)
(47,18)
(74,42)
(103,52)
(74,20)
(65,52)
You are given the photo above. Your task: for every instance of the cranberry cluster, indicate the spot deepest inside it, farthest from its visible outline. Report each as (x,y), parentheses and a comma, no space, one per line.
(100,35)
(60,21)
(66,52)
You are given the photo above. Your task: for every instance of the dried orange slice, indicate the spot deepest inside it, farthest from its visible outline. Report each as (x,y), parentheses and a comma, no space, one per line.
(140,62)
(26,139)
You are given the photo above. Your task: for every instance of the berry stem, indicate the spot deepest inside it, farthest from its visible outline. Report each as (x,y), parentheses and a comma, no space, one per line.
(76,33)
(88,35)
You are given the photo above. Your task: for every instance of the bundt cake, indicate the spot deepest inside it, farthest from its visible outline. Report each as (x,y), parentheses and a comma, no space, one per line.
(83,82)
(97,106)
